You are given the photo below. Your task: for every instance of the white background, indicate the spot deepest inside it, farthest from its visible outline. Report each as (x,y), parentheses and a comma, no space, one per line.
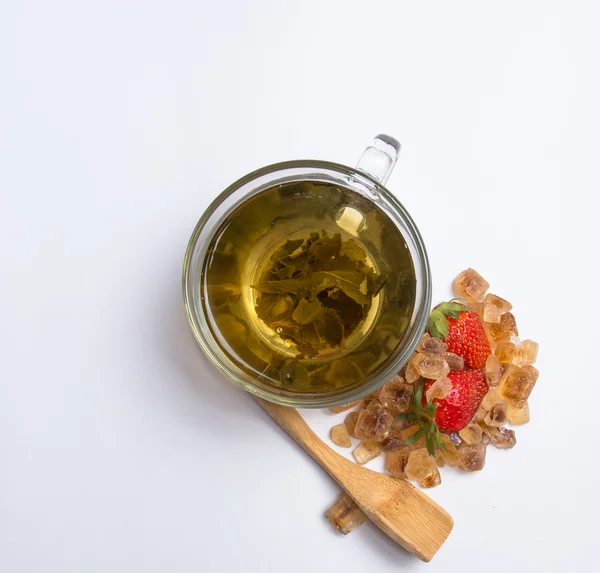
(120,449)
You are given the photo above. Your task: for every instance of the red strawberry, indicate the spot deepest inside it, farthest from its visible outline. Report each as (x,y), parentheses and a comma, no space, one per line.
(462,330)
(449,414)
(457,409)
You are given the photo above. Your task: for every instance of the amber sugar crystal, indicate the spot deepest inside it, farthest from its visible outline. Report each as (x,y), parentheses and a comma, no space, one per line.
(471,434)
(395,462)
(396,395)
(528,352)
(439,389)
(430,345)
(345,515)
(506,351)
(419,464)
(497,416)
(501,304)
(433,367)
(516,385)
(493,370)
(471,458)
(518,416)
(350,423)
(340,436)
(491,313)
(471,285)
(503,331)
(366,451)
(374,422)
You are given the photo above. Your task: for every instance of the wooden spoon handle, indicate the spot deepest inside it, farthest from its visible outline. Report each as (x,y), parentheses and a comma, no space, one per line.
(406,514)
(293,423)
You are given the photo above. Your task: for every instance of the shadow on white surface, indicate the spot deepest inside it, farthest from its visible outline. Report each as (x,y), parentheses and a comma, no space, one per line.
(205,390)
(378,542)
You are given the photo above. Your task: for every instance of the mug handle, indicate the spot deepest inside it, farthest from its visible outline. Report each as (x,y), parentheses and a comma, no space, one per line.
(379,158)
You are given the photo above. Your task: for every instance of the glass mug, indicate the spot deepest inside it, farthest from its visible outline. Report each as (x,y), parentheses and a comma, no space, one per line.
(367,179)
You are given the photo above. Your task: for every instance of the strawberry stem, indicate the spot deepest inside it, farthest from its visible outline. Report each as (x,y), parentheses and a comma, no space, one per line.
(423,417)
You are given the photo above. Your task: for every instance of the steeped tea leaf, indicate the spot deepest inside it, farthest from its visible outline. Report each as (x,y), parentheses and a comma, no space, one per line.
(236,308)
(330,328)
(231,328)
(286,272)
(286,329)
(348,309)
(221,294)
(353,251)
(264,304)
(362,360)
(301,264)
(326,248)
(299,251)
(353,283)
(376,282)
(343,372)
(293,286)
(310,337)
(307,311)
(282,304)
(295,374)
(289,247)
(267,287)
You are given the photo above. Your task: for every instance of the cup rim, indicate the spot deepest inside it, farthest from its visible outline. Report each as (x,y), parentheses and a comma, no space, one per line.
(413,335)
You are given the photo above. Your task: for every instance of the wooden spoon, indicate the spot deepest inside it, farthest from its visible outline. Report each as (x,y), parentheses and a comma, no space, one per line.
(402,511)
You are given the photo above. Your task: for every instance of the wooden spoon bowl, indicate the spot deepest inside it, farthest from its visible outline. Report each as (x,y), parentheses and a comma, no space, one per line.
(398,508)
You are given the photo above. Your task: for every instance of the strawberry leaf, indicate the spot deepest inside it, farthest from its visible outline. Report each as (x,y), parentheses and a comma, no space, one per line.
(430,323)
(429,410)
(424,417)
(448,306)
(463,300)
(414,437)
(429,444)
(418,397)
(438,439)
(437,325)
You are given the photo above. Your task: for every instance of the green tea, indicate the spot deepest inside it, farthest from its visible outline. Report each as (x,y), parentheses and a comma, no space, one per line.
(308,287)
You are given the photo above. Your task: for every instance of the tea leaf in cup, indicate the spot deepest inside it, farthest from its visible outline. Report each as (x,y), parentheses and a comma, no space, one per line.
(282,304)
(232,328)
(353,251)
(285,272)
(330,328)
(294,285)
(307,311)
(295,374)
(326,248)
(267,288)
(289,247)
(341,371)
(353,283)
